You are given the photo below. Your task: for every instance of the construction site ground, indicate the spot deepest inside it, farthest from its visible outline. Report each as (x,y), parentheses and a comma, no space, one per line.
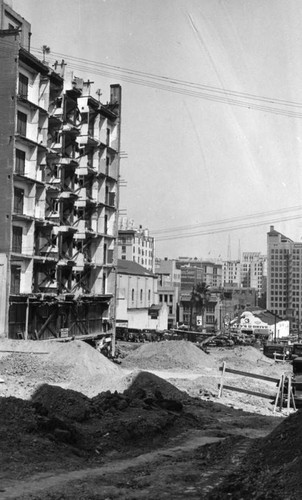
(75,425)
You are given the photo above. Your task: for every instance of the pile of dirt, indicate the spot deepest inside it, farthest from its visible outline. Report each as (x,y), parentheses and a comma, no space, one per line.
(272,469)
(60,423)
(55,401)
(250,359)
(149,385)
(74,365)
(171,355)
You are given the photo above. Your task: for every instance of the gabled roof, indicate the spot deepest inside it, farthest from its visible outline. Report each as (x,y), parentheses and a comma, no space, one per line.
(129,267)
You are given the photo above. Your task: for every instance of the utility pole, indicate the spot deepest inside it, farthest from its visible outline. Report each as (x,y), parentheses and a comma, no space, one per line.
(115,250)
(191,309)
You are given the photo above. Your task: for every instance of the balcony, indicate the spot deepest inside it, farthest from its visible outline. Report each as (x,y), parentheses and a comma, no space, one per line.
(67,195)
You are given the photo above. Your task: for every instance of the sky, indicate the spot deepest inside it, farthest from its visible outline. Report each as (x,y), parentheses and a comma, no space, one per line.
(211,111)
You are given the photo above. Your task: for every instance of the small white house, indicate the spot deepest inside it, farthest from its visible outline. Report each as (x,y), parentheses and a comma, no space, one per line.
(137,299)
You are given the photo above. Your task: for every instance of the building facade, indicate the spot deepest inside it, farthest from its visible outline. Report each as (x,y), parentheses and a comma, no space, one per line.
(137,300)
(284,277)
(59,154)
(231,270)
(254,271)
(169,280)
(136,244)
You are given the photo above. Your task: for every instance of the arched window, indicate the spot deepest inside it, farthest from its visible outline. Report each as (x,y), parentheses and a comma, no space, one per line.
(141,295)
(149,295)
(132,295)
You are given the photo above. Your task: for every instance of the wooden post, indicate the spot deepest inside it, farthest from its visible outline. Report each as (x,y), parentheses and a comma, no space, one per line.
(282,391)
(289,392)
(221,380)
(277,395)
(26,319)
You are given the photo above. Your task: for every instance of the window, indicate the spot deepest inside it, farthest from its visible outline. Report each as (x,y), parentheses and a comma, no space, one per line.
(23,86)
(17,239)
(141,295)
(18,200)
(132,294)
(15,280)
(149,295)
(107,165)
(108,136)
(21,123)
(20,162)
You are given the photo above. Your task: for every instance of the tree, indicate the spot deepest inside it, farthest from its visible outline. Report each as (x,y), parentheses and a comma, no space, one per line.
(199,299)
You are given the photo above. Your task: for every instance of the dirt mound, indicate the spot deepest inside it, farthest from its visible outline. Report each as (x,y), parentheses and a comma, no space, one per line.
(82,360)
(14,411)
(53,401)
(272,469)
(242,354)
(171,355)
(284,445)
(250,359)
(74,365)
(151,386)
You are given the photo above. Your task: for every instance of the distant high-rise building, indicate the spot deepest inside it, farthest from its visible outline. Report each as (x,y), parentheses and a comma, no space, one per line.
(284,277)
(248,272)
(231,270)
(254,271)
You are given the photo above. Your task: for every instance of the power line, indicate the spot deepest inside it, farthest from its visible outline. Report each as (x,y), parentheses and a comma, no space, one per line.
(175,80)
(223,221)
(228,229)
(169,86)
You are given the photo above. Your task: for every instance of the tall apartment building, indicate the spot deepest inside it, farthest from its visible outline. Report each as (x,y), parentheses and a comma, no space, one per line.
(284,277)
(59,154)
(136,244)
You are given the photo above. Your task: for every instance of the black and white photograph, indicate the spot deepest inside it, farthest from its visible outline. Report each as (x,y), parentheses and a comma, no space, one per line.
(150,249)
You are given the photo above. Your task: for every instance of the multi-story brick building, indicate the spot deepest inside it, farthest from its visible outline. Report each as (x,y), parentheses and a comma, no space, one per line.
(59,154)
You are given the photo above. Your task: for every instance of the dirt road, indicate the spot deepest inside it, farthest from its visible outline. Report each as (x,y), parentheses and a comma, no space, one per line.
(184,468)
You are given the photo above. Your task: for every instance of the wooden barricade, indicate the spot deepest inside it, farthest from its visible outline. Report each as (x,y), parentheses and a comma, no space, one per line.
(282,384)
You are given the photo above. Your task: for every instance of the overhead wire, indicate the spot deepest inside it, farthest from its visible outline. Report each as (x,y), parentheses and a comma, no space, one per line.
(168,86)
(223,221)
(176,80)
(227,229)
(160,82)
